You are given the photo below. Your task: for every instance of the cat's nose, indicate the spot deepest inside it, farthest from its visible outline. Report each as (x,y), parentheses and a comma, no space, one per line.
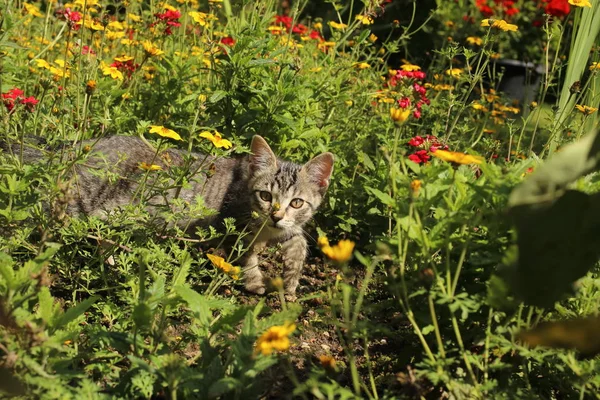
(277,216)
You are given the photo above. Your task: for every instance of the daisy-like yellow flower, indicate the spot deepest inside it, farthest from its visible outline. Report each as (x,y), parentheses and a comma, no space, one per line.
(440,87)
(90,3)
(150,167)
(364,19)
(42,63)
(220,263)
(112,71)
(91,24)
(477,41)
(580,3)
(216,139)
(199,17)
(318,25)
(32,10)
(409,67)
(399,114)
(457,158)
(276,338)
(275,29)
(111,35)
(134,18)
(361,65)
(415,186)
(341,252)
(586,110)
(151,49)
(454,72)
(338,26)
(372,38)
(500,24)
(123,58)
(479,107)
(595,66)
(164,132)
(322,241)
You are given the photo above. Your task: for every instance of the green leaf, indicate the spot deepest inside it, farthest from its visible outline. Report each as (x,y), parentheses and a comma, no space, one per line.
(73,312)
(223,386)
(557,228)
(142,315)
(217,96)
(383,197)
(197,304)
(6,270)
(181,274)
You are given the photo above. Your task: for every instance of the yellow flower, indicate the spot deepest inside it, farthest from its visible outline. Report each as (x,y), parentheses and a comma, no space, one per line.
(42,63)
(454,72)
(123,58)
(150,167)
(399,115)
(586,110)
(364,19)
(112,71)
(337,25)
(409,67)
(457,158)
(341,252)
(91,24)
(595,66)
(216,139)
(61,73)
(372,38)
(116,25)
(415,185)
(276,338)
(475,40)
(318,25)
(479,107)
(500,24)
(322,241)
(151,48)
(220,263)
(327,361)
(580,3)
(275,30)
(90,3)
(199,17)
(90,87)
(361,65)
(134,18)
(33,10)
(164,132)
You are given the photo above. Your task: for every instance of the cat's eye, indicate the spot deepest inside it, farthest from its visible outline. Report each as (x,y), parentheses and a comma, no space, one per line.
(297,203)
(265,196)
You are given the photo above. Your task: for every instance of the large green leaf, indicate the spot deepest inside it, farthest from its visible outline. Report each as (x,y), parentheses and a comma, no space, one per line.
(558,228)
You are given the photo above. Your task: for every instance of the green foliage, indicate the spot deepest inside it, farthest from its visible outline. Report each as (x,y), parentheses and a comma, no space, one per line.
(129,306)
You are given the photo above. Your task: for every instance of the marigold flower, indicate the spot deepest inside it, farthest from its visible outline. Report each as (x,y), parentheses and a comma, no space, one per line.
(164,132)
(199,17)
(216,139)
(42,63)
(457,158)
(364,19)
(322,241)
(134,18)
(362,65)
(276,338)
(372,38)
(479,107)
(580,3)
(341,252)
(586,110)
(500,24)
(399,115)
(150,167)
(595,66)
(220,263)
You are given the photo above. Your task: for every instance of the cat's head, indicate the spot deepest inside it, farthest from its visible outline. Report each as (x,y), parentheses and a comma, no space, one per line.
(285,193)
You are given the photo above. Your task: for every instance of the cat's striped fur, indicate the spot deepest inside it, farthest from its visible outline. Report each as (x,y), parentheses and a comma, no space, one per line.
(284,194)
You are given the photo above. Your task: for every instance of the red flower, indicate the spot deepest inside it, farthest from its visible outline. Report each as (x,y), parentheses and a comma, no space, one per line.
(315,35)
(557,8)
(419,157)
(87,50)
(170,18)
(228,41)
(416,141)
(300,29)
(16,96)
(284,20)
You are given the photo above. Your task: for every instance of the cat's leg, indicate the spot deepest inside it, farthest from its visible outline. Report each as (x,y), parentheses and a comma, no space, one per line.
(253,277)
(294,253)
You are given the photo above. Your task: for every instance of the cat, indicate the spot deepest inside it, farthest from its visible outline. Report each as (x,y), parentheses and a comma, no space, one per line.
(283,194)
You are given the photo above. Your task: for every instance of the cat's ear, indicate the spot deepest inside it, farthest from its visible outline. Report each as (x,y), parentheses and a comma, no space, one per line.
(262,157)
(319,170)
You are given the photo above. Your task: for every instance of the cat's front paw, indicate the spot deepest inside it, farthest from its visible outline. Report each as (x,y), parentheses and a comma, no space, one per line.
(257,287)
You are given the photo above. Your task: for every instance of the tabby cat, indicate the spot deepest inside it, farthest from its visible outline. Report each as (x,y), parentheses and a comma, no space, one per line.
(283,194)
